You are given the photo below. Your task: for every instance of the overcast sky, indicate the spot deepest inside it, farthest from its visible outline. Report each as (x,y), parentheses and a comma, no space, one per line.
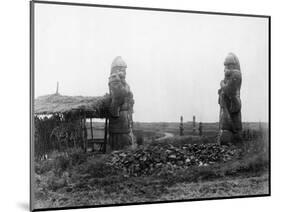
(175,60)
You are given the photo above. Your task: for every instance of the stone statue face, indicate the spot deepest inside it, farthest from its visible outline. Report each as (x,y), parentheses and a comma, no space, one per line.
(120,71)
(229,67)
(232,62)
(227,71)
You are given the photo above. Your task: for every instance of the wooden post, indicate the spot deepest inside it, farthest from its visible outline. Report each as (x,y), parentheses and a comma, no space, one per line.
(200,128)
(194,125)
(105,136)
(59,144)
(81,129)
(91,129)
(66,141)
(84,138)
(74,143)
(93,148)
(181,126)
(85,132)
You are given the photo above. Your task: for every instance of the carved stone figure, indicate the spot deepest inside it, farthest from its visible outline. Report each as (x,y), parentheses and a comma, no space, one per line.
(121,107)
(230,102)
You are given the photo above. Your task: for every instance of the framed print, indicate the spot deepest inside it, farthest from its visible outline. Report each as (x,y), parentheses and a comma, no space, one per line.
(137,105)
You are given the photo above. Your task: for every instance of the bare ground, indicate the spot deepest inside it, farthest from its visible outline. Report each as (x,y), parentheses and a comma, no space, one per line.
(219,188)
(63,183)
(135,191)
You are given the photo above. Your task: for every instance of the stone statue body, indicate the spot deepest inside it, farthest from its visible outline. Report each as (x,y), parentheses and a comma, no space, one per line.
(230,102)
(121,107)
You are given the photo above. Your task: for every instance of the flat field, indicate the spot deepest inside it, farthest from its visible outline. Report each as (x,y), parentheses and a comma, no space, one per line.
(175,168)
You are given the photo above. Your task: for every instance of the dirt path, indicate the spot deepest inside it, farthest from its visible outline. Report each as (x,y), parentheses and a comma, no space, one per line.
(167,135)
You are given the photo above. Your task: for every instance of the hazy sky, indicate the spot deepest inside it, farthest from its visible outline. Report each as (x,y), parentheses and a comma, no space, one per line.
(175,60)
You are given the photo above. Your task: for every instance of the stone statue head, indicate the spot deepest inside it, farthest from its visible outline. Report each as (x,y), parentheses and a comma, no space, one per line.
(231,62)
(119,67)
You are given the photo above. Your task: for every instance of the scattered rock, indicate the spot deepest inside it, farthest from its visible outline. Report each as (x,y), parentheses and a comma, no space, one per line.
(148,160)
(69,189)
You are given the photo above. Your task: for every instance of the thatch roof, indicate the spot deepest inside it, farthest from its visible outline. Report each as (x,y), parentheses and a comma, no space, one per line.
(56,103)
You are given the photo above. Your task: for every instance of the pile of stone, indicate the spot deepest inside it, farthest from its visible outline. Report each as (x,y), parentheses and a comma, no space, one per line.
(152,159)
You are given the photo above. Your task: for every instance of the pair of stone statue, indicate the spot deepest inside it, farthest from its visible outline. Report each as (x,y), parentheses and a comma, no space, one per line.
(122,102)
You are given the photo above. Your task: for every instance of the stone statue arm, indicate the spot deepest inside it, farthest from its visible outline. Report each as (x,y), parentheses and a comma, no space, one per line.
(118,92)
(230,85)
(131,101)
(231,91)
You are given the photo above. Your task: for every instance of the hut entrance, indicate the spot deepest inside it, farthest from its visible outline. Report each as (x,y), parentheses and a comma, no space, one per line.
(93,130)
(96,134)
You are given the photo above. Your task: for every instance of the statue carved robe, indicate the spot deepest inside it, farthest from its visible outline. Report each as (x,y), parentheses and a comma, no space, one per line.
(121,108)
(230,102)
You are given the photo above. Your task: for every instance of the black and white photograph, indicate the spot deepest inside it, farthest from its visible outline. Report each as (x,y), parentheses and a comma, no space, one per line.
(143,105)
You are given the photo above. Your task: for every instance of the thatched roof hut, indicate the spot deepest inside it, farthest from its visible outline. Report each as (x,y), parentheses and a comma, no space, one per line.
(92,107)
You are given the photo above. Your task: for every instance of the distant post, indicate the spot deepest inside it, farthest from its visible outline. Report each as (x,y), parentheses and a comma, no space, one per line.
(194,125)
(181,126)
(200,128)
(260,130)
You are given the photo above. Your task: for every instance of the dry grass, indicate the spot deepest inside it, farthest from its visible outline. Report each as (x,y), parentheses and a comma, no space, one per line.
(76,179)
(229,187)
